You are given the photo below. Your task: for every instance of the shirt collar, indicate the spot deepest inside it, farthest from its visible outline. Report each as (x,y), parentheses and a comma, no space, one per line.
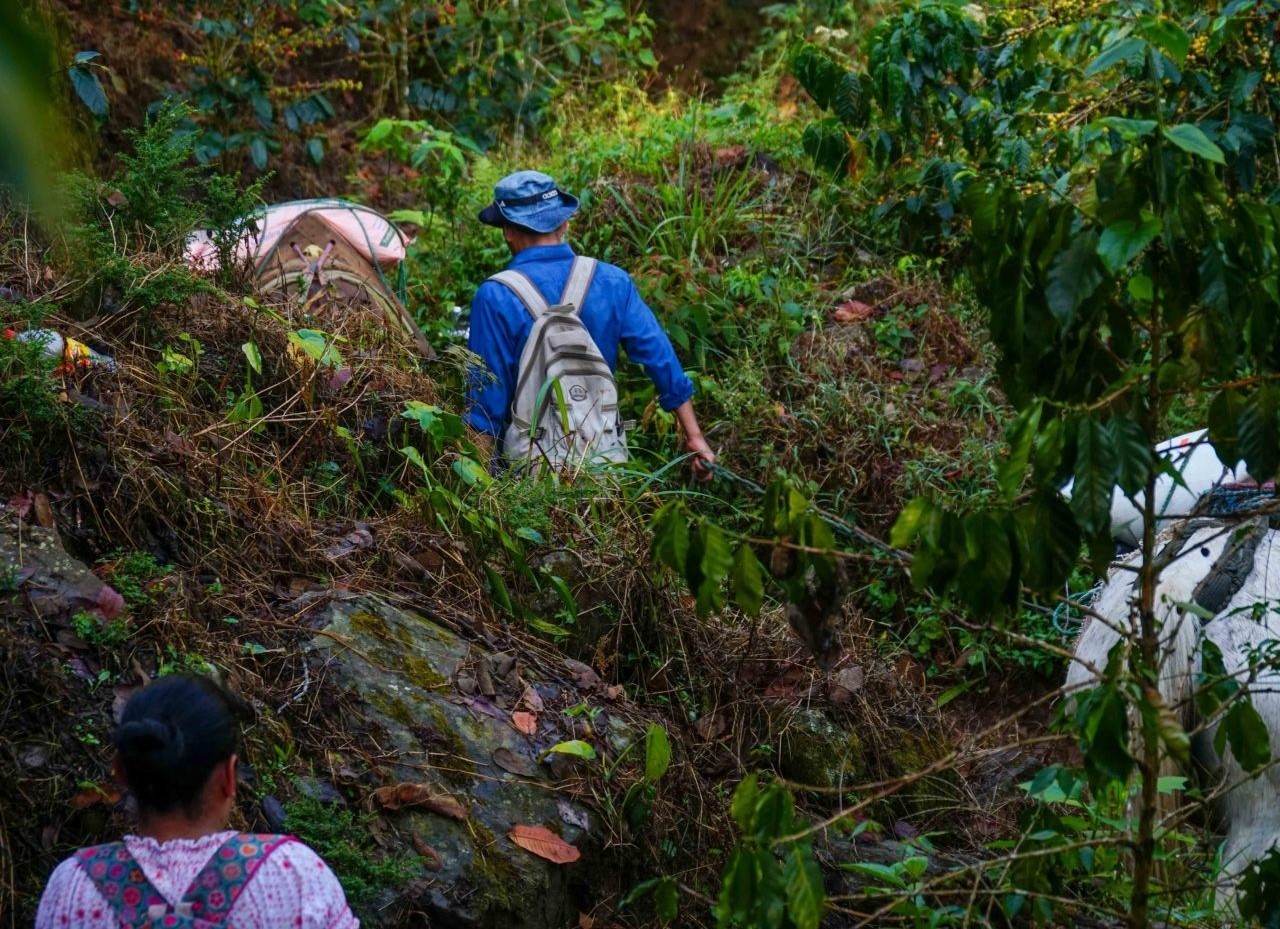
(542,253)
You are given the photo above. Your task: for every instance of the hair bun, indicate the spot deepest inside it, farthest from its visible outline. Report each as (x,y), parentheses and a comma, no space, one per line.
(150,739)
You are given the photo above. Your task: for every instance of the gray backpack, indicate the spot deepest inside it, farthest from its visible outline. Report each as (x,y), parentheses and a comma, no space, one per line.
(565,407)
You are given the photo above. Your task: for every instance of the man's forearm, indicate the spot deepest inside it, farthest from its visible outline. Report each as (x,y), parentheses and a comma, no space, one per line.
(688,421)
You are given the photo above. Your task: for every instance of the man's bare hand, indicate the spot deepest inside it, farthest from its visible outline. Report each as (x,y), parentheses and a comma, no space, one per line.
(703,458)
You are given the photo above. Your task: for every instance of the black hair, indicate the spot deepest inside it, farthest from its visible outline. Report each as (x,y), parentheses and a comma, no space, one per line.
(172,734)
(508,224)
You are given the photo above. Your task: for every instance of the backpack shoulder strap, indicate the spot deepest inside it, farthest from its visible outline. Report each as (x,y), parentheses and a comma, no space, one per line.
(581,275)
(520,285)
(121,881)
(220,883)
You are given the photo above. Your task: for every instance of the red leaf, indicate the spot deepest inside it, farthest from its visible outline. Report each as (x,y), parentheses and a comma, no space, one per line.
(525,722)
(544,843)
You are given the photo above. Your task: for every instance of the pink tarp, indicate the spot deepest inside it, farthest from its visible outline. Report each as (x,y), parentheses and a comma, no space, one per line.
(372,234)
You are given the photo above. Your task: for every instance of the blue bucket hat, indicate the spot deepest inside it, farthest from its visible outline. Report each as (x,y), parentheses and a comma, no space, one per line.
(530,199)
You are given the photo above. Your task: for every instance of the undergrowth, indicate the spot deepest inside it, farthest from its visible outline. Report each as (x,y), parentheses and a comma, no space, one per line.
(343,839)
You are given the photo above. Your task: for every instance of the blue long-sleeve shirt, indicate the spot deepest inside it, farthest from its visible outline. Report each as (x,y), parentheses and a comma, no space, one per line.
(613,313)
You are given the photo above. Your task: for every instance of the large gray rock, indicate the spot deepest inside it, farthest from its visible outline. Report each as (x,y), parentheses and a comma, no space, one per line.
(441,710)
(50,583)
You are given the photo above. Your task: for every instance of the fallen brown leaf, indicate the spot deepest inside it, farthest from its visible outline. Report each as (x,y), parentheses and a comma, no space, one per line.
(418,796)
(525,722)
(512,763)
(852,311)
(44,511)
(431,857)
(544,843)
(95,794)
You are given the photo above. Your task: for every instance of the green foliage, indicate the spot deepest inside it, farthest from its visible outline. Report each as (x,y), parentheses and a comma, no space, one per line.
(101,633)
(343,839)
(771,879)
(133,575)
(30,411)
(1260,891)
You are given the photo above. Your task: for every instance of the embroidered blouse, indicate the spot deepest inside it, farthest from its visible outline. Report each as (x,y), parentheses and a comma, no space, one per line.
(293,889)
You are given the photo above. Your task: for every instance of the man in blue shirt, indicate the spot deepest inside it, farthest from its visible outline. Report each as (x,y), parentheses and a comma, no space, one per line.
(533,214)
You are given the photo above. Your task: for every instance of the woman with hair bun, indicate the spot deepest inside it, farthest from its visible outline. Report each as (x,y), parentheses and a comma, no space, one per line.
(176,753)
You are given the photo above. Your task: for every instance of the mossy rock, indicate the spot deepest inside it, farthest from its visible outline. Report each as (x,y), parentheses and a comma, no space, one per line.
(913,751)
(813,751)
(398,668)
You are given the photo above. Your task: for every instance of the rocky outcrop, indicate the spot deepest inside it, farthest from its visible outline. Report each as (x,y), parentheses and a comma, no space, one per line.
(464,732)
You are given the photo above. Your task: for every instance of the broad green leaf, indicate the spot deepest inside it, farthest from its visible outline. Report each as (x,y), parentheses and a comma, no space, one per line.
(987,565)
(1259,896)
(827,143)
(258,152)
(748,581)
(88,89)
(890,876)
(739,890)
(671,537)
(657,753)
(1141,288)
(743,805)
(911,521)
(1224,426)
(1131,129)
(1125,50)
(575,747)
(1243,729)
(1214,687)
(530,535)
(806,898)
(1048,542)
(1134,455)
(415,457)
(709,562)
(380,130)
(1011,471)
(666,896)
(1124,241)
(318,346)
(254,357)
(852,102)
(471,472)
(248,408)
(315,151)
(818,73)
(1074,275)
(1095,476)
(1191,138)
(775,813)
(1106,738)
(1168,36)
(1259,434)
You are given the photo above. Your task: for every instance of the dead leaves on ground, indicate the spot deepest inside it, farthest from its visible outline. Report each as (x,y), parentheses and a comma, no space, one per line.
(544,843)
(418,797)
(852,311)
(526,723)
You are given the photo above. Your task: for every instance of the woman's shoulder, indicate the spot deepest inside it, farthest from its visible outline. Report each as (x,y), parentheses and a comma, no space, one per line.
(296,876)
